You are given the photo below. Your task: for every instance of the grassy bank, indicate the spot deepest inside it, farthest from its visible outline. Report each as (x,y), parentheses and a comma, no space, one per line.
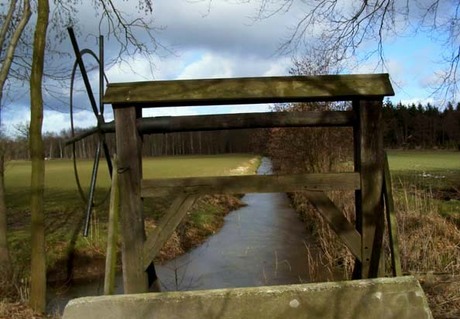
(71,256)
(427,203)
(427,199)
(61,190)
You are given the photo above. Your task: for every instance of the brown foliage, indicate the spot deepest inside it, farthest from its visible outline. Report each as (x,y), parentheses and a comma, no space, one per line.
(307,150)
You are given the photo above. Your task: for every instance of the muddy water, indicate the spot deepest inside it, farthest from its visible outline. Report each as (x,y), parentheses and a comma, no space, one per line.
(260,244)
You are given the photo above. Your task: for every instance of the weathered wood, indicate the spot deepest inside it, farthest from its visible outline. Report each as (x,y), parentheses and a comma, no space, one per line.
(391,220)
(338,222)
(131,214)
(366,91)
(112,234)
(357,270)
(166,226)
(169,124)
(375,269)
(370,159)
(248,90)
(250,184)
(245,120)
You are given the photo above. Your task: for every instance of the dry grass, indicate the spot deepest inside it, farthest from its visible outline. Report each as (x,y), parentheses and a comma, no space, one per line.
(443,292)
(334,260)
(430,249)
(428,241)
(429,246)
(20,310)
(15,310)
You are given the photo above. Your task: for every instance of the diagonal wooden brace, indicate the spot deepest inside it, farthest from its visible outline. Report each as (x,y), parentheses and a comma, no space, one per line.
(166,226)
(339,223)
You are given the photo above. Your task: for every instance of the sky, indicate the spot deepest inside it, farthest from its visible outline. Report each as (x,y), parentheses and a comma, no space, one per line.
(217,39)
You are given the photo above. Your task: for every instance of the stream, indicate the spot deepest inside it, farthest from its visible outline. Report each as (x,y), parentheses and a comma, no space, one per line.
(260,244)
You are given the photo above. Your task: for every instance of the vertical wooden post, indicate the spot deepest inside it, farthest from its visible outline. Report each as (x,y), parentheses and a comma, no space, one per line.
(369,204)
(112,236)
(357,168)
(131,214)
(391,221)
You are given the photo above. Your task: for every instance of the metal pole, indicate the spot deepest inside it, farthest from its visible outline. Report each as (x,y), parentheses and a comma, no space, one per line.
(92,188)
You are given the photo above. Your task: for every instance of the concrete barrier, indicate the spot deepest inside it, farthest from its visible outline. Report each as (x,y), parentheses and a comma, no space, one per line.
(400,298)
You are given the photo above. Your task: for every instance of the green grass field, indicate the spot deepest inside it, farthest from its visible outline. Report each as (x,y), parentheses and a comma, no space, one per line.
(413,172)
(60,186)
(428,161)
(435,172)
(438,169)
(64,209)
(426,169)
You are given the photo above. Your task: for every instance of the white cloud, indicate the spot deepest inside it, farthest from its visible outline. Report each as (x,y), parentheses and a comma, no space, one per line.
(215,39)
(170,111)
(53,121)
(221,26)
(417,100)
(136,68)
(208,66)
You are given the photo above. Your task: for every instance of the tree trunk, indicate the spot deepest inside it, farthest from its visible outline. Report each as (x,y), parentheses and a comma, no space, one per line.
(38,261)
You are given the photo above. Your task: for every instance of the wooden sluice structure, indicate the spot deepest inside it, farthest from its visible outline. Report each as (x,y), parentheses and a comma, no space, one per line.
(366,93)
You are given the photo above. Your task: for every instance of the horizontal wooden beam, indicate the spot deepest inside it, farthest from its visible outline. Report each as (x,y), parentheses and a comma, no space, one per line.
(244,120)
(249,184)
(249,90)
(169,124)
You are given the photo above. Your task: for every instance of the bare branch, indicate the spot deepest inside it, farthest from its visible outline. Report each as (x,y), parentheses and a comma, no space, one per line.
(348,25)
(26,13)
(6,24)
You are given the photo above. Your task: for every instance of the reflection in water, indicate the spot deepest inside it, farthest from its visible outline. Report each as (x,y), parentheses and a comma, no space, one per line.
(260,244)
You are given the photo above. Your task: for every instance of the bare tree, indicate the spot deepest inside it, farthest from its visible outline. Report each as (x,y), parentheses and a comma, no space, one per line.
(63,13)
(13,24)
(342,27)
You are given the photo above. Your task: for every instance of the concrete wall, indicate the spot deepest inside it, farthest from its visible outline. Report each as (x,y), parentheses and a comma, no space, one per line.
(399,298)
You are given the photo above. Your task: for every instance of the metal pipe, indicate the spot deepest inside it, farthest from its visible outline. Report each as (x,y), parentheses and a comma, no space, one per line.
(84,74)
(92,188)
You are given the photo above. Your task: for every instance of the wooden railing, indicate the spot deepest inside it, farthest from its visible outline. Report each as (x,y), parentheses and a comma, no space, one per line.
(366,93)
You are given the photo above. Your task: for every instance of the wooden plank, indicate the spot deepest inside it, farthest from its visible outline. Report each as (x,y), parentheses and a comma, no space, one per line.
(357,270)
(245,120)
(338,222)
(248,90)
(169,124)
(166,226)
(375,269)
(370,157)
(131,214)
(391,221)
(250,184)
(112,234)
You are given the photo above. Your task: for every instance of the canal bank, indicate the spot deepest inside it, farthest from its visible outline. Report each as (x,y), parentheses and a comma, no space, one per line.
(260,244)
(263,243)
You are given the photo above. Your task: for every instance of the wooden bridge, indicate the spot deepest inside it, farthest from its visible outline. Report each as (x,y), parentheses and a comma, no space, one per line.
(366,93)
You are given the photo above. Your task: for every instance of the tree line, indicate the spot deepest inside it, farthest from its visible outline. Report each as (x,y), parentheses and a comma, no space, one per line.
(167,144)
(405,126)
(421,126)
